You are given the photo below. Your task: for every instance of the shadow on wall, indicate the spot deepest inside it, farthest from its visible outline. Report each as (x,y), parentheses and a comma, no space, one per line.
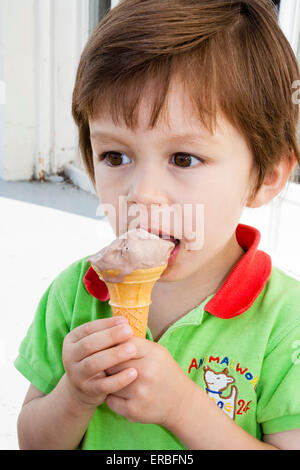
(61,196)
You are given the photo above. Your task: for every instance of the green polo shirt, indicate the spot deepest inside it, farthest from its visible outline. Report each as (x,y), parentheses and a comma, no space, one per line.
(241,345)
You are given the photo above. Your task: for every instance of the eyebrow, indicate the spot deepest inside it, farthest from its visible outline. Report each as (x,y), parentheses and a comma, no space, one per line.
(108,137)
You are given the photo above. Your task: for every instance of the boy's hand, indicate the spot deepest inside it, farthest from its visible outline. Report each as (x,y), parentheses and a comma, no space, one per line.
(90,349)
(160,390)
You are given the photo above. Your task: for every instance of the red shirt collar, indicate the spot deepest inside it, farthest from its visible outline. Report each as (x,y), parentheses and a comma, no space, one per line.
(243,285)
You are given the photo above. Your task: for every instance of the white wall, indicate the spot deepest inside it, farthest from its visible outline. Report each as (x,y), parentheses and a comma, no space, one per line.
(114,3)
(279,225)
(40,46)
(289,21)
(17,116)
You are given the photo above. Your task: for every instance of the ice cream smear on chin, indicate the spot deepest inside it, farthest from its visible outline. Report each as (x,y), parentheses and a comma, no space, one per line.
(135,249)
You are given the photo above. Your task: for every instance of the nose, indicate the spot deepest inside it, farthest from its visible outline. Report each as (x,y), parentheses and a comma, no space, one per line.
(146,188)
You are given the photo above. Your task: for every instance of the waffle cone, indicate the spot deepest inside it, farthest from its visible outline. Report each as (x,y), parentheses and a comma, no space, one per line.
(131,298)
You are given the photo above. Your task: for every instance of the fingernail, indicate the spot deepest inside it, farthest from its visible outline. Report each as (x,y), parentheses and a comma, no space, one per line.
(126,330)
(132,372)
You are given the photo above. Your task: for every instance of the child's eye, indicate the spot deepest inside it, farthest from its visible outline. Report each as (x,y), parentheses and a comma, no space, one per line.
(181,160)
(114,158)
(185,160)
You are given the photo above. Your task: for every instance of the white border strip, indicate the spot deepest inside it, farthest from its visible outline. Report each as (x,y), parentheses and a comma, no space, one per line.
(289,21)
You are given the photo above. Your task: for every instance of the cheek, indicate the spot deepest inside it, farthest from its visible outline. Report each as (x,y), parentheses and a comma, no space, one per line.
(103,184)
(116,214)
(107,188)
(224,199)
(108,198)
(215,215)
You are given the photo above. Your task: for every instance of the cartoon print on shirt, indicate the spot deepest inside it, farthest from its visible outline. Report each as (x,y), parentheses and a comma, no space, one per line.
(216,383)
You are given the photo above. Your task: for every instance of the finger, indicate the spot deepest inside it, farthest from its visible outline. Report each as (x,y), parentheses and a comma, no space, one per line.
(100,341)
(93,326)
(142,348)
(116,369)
(102,360)
(126,392)
(117,404)
(114,383)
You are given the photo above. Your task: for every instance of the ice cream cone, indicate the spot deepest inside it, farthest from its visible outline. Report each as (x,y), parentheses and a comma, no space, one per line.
(131,298)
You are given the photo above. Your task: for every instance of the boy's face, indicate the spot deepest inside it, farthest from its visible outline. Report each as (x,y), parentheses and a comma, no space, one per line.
(158,167)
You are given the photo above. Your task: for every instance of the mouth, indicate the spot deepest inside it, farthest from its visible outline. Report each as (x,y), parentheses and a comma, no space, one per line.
(168,237)
(164,236)
(174,253)
(172,239)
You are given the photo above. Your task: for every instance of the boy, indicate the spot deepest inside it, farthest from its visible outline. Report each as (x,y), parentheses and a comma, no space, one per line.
(181,102)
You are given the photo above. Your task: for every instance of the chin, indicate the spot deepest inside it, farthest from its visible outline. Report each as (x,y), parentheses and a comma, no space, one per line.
(173,272)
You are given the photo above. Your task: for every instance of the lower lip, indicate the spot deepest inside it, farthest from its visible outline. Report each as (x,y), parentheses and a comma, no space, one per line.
(174,254)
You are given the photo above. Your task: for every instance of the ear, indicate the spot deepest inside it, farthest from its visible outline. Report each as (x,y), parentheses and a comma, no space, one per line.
(274,182)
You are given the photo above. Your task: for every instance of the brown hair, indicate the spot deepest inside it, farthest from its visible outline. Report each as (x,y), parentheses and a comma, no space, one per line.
(231,55)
